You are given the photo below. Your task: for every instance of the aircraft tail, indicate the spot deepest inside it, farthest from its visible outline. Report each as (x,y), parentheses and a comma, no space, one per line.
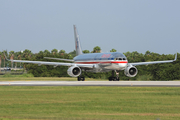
(77,42)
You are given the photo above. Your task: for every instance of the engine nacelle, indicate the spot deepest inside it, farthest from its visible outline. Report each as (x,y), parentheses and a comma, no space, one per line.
(74,71)
(131,71)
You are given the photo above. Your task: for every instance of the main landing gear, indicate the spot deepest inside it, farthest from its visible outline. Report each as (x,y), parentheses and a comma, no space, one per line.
(112,78)
(80,78)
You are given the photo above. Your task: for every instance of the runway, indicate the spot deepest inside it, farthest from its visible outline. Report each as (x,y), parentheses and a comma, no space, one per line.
(93,83)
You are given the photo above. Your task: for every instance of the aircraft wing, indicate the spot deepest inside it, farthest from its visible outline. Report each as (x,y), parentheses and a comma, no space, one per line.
(154,62)
(54,63)
(69,60)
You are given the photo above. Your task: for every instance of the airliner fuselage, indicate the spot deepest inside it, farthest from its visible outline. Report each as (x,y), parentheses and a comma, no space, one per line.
(105,61)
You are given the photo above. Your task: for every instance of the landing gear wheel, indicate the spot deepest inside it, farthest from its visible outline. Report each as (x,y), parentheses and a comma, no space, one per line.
(80,78)
(110,79)
(114,78)
(117,78)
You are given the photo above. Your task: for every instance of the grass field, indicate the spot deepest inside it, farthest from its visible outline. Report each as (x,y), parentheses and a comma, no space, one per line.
(89,103)
(28,77)
(37,79)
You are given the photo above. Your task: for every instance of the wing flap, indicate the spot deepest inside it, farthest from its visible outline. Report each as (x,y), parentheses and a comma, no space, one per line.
(59,59)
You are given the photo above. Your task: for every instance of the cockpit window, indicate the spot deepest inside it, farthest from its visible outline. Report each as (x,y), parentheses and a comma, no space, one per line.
(124,58)
(120,58)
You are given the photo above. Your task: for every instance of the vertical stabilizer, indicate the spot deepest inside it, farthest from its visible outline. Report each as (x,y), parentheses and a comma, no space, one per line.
(77,42)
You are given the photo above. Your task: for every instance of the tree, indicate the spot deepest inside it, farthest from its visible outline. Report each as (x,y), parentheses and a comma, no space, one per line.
(27,54)
(62,52)
(73,53)
(113,50)
(86,51)
(148,53)
(46,53)
(97,49)
(40,55)
(19,56)
(5,54)
(54,51)
(11,55)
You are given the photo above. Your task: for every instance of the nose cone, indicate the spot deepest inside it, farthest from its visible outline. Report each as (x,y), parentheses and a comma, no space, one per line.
(123,65)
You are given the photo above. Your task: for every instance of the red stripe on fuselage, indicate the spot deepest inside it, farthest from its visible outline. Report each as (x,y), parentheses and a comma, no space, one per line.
(101,62)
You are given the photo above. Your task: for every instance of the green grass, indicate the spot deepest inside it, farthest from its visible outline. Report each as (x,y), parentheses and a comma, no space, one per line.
(25,75)
(89,103)
(30,77)
(37,79)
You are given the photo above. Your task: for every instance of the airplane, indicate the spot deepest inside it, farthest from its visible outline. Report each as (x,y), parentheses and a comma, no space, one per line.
(96,62)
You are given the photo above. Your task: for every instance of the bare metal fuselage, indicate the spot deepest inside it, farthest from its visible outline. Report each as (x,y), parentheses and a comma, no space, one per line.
(103,62)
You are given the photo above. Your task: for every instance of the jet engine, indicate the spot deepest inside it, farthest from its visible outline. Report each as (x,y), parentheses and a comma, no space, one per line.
(131,71)
(74,71)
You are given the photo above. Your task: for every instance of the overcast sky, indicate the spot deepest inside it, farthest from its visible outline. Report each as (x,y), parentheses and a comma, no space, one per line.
(125,25)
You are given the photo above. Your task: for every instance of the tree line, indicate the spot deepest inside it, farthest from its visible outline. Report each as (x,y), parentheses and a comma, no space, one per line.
(166,71)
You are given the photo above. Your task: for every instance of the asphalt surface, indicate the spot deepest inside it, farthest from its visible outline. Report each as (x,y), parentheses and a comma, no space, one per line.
(93,83)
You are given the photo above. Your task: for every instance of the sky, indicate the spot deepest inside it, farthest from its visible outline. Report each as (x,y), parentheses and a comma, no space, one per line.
(124,25)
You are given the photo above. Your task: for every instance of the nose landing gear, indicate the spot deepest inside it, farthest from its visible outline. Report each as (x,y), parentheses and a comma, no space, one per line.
(112,78)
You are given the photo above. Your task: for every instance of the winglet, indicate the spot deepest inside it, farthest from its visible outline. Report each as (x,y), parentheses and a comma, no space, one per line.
(175,57)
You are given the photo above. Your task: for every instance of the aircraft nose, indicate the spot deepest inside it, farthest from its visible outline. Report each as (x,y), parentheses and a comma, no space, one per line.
(123,65)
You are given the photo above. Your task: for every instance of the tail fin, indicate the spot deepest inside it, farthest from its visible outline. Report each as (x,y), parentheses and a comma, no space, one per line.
(77,42)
